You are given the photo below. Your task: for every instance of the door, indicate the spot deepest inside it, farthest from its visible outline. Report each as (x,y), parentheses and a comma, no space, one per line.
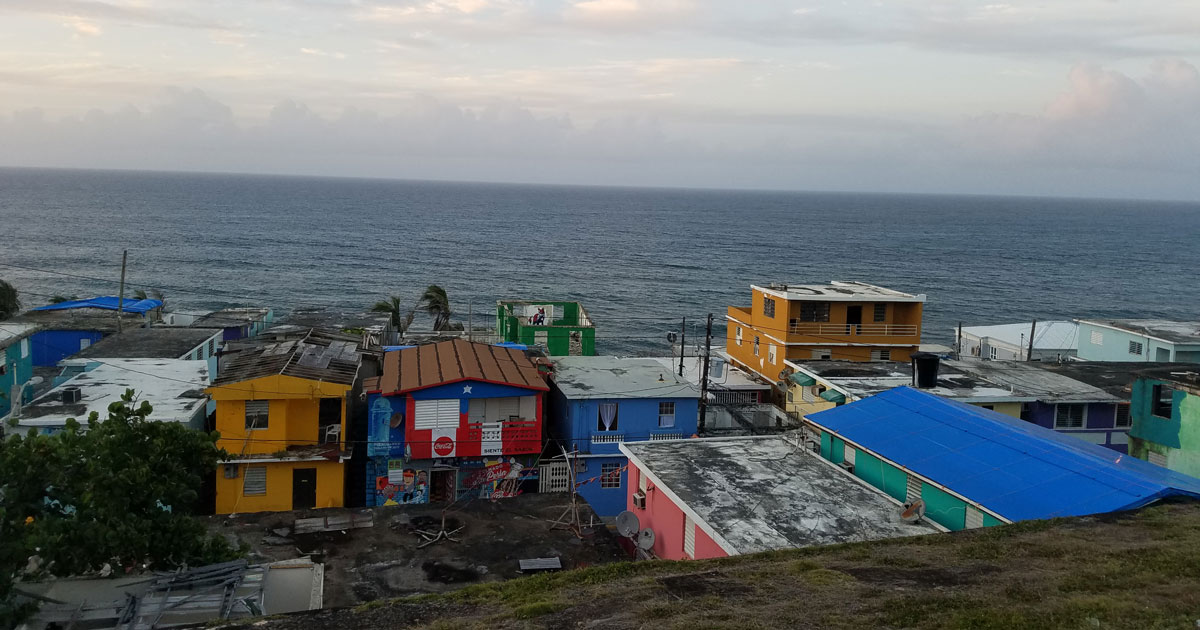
(329,414)
(853,318)
(442,484)
(304,488)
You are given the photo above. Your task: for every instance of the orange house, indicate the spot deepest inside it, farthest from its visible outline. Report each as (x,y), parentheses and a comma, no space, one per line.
(848,321)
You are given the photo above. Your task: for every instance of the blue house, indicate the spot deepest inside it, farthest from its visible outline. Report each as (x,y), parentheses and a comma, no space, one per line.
(599,402)
(74,325)
(972,467)
(16,363)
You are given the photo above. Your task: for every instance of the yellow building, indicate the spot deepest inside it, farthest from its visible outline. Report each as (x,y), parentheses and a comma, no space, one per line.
(818,385)
(281,413)
(847,321)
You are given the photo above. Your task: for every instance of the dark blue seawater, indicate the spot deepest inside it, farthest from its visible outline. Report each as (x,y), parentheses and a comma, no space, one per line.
(639,259)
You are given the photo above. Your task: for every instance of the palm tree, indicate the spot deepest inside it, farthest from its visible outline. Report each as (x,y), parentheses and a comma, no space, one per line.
(10,302)
(395,312)
(435,302)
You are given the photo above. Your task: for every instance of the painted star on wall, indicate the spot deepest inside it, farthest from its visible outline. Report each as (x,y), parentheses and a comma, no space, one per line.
(466,389)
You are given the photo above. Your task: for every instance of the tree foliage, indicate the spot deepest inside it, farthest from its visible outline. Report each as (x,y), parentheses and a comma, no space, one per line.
(120,492)
(435,302)
(10,301)
(399,317)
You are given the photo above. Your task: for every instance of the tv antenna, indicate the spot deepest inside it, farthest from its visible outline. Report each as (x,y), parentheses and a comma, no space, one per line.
(569,519)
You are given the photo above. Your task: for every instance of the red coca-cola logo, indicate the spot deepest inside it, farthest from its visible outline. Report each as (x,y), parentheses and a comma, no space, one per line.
(443,446)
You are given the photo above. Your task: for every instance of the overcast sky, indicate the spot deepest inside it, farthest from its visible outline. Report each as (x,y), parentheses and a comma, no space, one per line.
(1064,97)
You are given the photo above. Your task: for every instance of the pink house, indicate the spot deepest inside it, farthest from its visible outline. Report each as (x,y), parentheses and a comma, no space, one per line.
(710,498)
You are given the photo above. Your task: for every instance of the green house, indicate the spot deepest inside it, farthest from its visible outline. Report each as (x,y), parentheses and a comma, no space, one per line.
(1166,419)
(562,328)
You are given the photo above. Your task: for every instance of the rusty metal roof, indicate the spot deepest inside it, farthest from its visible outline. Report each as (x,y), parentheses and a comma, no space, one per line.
(317,356)
(457,360)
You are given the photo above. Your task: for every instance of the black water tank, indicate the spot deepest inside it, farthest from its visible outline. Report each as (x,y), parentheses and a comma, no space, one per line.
(925,368)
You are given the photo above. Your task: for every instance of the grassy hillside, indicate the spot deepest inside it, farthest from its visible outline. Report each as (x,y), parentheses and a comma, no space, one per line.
(1132,570)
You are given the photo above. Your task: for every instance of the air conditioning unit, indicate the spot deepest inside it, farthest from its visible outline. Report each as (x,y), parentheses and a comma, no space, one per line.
(231,471)
(639,500)
(847,466)
(71,395)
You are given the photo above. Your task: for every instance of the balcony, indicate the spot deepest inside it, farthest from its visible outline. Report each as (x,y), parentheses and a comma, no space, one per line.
(508,430)
(608,438)
(826,329)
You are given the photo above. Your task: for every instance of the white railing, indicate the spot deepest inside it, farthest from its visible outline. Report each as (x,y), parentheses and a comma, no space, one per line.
(849,330)
(608,438)
(655,437)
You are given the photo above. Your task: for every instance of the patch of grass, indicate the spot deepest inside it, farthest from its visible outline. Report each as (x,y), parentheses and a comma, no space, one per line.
(537,609)
(663,610)
(983,550)
(1022,592)
(371,605)
(918,610)
(803,565)
(826,577)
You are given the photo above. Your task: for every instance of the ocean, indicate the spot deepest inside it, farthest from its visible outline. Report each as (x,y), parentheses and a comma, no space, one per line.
(638,259)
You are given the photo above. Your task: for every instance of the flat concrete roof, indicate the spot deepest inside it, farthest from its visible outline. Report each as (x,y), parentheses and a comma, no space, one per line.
(1114,377)
(157,342)
(758,494)
(731,377)
(174,387)
(1049,335)
(862,379)
(581,378)
(15,331)
(838,291)
(1032,379)
(1165,329)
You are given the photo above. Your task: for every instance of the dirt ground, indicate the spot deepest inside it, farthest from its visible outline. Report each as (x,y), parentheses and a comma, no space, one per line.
(383,561)
(1131,570)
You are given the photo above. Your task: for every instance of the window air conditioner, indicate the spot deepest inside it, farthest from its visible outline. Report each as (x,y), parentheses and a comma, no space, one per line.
(639,500)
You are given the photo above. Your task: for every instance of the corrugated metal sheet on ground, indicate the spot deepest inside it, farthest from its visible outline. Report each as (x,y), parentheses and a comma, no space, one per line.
(1014,468)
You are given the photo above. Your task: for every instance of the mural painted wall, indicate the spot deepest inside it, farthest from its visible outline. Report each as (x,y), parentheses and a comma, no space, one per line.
(400,482)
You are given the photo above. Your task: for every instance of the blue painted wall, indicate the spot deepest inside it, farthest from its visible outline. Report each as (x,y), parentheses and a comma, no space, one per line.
(606,502)
(52,346)
(18,369)
(478,389)
(576,421)
(1098,424)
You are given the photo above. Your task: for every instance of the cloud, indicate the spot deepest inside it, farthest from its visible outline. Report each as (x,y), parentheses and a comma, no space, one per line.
(82,28)
(129,13)
(321,53)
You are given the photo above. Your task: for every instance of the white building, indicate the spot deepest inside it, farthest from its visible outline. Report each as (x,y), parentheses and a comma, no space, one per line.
(1052,341)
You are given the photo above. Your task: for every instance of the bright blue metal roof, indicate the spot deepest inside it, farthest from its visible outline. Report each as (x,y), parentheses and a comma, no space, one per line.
(1014,468)
(107,302)
(512,344)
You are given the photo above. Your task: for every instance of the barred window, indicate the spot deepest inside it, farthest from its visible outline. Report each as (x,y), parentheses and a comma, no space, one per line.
(610,475)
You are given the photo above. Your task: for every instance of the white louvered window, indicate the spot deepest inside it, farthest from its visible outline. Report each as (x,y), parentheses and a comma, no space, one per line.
(1069,416)
(1097,338)
(881,355)
(1135,347)
(738,336)
(848,454)
(436,414)
(641,481)
(806,393)
(1123,421)
(257,414)
(689,537)
(771,353)
(974,518)
(822,354)
(914,489)
(255,482)
(1158,459)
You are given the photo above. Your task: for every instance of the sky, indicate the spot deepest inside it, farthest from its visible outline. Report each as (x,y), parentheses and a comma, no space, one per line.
(1097,98)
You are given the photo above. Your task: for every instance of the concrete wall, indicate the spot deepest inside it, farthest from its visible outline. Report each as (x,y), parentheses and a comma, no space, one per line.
(18,369)
(1177,439)
(278,498)
(667,520)
(1114,346)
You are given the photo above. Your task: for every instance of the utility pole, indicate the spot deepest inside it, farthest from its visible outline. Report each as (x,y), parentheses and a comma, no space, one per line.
(682,344)
(121,295)
(958,342)
(1032,328)
(704,375)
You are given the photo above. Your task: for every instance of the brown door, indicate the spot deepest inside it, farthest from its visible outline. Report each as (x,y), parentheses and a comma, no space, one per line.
(442,484)
(853,318)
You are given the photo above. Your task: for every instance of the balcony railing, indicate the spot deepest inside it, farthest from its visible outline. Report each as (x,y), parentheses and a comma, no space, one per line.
(821,329)
(655,437)
(608,438)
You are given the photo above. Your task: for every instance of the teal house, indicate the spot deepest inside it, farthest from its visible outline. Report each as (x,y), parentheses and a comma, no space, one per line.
(970,467)
(17,368)
(1146,340)
(1166,419)
(562,328)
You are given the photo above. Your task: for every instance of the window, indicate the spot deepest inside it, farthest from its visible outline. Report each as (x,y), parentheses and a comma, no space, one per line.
(912,489)
(24,348)
(738,336)
(771,353)
(212,347)
(1123,420)
(791,397)
(1135,347)
(814,311)
(1163,403)
(610,475)
(436,414)
(848,454)
(666,414)
(992,353)
(642,482)
(606,417)
(807,393)
(769,307)
(255,482)
(881,313)
(1158,459)
(1097,338)
(689,537)
(756,345)
(257,414)
(974,518)
(881,355)
(1069,416)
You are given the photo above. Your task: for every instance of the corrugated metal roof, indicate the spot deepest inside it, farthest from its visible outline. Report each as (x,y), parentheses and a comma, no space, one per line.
(456,360)
(1014,468)
(317,356)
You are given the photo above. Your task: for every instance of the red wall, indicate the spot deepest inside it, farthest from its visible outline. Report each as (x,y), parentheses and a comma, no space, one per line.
(667,520)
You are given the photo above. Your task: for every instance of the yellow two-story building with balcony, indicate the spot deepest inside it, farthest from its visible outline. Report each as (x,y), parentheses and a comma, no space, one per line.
(846,321)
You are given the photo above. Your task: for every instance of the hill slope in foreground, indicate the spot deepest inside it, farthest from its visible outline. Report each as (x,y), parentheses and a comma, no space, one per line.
(1131,570)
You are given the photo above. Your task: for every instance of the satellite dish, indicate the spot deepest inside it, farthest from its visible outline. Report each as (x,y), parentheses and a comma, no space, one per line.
(628,524)
(671,337)
(913,512)
(645,539)
(784,373)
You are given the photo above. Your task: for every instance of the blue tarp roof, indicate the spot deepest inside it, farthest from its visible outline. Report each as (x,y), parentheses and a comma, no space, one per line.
(512,344)
(1014,468)
(107,302)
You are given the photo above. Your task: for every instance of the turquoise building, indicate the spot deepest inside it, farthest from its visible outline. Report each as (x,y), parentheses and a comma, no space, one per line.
(17,367)
(1166,419)
(1147,340)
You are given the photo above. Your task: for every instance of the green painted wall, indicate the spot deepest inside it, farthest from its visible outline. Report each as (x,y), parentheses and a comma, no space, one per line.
(1176,438)
(558,332)
(989,520)
(826,445)
(837,453)
(868,468)
(895,482)
(943,508)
